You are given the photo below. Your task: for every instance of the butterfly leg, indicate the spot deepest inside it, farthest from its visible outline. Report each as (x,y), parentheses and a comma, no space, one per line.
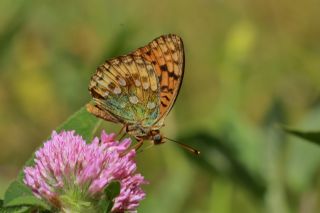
(122,130)
(139,144)
(122,136)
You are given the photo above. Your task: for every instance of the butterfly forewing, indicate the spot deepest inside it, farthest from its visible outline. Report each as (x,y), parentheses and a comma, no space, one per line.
(166,53)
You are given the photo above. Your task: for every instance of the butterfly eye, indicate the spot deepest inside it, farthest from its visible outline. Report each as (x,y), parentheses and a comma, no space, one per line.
(157,139)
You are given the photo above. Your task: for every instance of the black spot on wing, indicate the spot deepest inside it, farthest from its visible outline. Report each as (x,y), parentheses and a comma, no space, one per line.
(95,94)
(164,67)
(163,104)
(174,76)
(165,97)
(166,89)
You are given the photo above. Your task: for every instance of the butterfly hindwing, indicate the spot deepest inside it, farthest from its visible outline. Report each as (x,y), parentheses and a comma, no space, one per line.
(93,109)
(127,88)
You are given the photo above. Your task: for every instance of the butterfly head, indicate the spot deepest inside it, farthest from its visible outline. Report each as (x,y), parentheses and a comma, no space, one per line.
(156,137)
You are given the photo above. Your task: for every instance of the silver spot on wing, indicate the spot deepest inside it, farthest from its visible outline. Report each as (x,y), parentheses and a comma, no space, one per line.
(151,105)
(122,82)
(117,91)
(137,83)
(145,85)
(133,99)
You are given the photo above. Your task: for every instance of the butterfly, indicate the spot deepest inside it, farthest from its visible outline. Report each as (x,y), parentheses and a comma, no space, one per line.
(139,89)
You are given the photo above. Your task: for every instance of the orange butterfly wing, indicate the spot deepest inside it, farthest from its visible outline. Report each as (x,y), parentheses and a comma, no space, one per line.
(166,53)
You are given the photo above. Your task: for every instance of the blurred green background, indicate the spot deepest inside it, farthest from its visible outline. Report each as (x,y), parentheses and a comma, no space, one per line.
(250,66)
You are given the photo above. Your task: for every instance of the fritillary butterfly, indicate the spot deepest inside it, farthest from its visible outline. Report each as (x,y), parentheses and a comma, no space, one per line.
(139,89)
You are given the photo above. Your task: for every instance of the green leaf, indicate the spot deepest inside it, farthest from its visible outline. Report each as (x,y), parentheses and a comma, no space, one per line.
(16,189)
(111,192)
(18,194)
(16,209)
(311,136)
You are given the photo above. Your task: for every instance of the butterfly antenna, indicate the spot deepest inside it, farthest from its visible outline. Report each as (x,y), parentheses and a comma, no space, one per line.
(185,146)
